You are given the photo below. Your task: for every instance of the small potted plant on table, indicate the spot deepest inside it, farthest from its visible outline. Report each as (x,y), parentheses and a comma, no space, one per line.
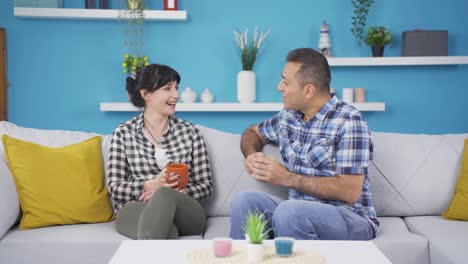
(254,228)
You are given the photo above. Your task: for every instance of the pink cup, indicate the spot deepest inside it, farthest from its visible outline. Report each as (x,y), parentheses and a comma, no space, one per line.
(222,247)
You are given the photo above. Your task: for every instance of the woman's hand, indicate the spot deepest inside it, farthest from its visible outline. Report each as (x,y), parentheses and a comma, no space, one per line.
(151,186)
(146,196)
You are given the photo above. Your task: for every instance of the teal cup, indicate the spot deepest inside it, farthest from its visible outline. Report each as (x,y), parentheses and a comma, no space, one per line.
(284,246)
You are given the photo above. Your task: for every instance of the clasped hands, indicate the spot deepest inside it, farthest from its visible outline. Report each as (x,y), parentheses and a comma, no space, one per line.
(151,186)
(267,169)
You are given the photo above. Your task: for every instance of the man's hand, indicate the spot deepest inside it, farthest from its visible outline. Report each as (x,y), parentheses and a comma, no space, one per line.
(249,161)
(268,169)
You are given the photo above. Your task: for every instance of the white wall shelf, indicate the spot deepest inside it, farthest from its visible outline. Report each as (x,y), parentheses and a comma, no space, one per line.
(229,107)
(398,61)
(94,14)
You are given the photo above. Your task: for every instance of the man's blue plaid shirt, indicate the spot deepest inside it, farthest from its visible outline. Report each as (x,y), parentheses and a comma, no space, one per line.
(335,141)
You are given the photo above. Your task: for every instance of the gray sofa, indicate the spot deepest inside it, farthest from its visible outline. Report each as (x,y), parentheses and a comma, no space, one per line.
(412,177)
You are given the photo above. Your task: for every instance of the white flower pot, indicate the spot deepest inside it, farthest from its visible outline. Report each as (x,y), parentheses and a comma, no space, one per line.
(254,252)
(246,87)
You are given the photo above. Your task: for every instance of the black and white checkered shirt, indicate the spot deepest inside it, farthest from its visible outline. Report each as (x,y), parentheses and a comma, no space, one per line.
(132,159)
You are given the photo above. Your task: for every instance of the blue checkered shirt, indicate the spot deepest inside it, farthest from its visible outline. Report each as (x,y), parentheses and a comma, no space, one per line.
(335,141)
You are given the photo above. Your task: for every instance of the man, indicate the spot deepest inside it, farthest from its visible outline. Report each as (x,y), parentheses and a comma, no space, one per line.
(326,147)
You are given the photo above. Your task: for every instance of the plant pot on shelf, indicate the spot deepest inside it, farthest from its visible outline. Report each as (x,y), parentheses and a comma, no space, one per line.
(135,4)
(377,51)
(246,87)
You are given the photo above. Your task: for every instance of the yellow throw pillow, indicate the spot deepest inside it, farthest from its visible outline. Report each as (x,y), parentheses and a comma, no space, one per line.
(58,186)
(458,208)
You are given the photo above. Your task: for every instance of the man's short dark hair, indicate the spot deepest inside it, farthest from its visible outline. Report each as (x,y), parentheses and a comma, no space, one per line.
(314,68)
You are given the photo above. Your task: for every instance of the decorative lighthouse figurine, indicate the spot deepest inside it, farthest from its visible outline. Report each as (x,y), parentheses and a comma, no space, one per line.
(324,42)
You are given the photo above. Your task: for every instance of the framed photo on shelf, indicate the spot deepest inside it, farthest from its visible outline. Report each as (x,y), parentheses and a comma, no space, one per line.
(170,4)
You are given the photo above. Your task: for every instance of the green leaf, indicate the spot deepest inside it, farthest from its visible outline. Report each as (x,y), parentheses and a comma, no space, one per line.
(361,10)
(255,227)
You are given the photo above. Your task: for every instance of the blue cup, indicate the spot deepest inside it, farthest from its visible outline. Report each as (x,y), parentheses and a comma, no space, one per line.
(284,246)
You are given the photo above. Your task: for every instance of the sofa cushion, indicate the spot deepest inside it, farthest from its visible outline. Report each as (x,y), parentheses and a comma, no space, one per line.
(9,205)
(226,163)
(414,174)
(71,244)
(458,208)
(51,138)
(447,238)
(92,243)
(228,172)
(59,185)
(398,244)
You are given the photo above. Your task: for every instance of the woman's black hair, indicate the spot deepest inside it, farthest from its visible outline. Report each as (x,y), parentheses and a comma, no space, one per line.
(150,78)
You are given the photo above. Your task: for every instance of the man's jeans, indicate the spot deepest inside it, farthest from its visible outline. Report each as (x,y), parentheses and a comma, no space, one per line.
(299,219)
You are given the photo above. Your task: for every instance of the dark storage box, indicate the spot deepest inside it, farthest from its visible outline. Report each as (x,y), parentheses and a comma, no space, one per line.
(425,43)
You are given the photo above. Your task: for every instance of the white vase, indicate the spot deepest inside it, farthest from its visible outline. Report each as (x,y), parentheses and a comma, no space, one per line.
(207,96)
(188,95)
(246,87)
(254,252)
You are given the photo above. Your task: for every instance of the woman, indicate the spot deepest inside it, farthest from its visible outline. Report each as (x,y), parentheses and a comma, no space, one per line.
(148,204)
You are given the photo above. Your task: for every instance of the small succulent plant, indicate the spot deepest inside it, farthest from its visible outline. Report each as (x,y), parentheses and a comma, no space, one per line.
(254,227)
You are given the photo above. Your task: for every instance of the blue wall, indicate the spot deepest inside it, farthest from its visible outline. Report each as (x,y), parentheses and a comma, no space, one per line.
(60,70)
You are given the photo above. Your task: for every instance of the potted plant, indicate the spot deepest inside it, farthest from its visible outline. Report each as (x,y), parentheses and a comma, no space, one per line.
(132,64)
(133,19)
(360,12)
(255,232)
(377,38)
(248,52)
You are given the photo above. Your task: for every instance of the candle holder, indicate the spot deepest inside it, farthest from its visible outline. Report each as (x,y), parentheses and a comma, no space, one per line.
(347,95)
(222,247)
(284,246)
(359,95)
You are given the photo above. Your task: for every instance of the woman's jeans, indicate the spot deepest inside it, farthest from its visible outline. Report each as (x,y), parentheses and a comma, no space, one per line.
(299,219)
(167,215)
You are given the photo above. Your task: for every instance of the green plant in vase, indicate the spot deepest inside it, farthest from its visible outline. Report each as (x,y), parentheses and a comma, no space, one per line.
(359,18)
(377,38)
(249,50)
(133,20)
(254,227)
(132,64)
(136,4)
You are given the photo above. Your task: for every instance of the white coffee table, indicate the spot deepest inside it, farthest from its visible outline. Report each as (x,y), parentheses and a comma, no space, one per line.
(174,251)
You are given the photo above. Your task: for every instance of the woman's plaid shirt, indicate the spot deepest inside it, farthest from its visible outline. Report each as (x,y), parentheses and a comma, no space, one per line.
(132,159)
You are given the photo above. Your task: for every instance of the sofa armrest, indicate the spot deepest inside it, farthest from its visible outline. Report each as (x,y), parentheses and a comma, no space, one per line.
(9,206)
